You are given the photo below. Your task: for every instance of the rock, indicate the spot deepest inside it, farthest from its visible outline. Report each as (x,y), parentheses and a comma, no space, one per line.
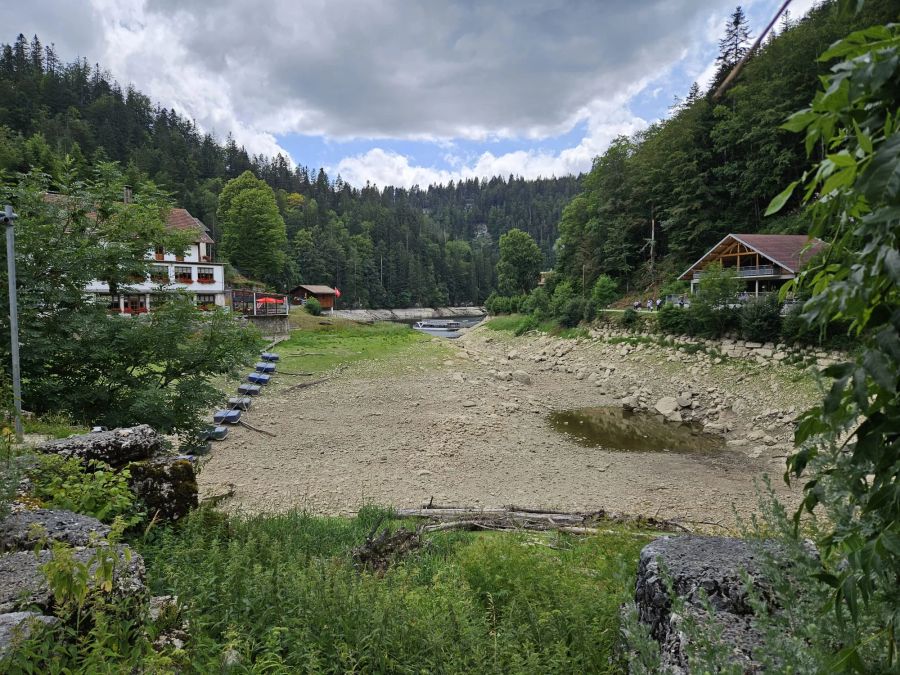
(166,485)
(698,566)
(683,402)
(753,345)
(521,376)
(674,417)
(18,626)
(512,355)
(469,404)
(423,472)
(17,533)
(117,447)
(666,406)
(23,584)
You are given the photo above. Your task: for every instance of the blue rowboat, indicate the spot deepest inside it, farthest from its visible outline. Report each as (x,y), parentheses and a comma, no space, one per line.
(258,378)
(263,367)
(249,389)
(269,356)
(239,403)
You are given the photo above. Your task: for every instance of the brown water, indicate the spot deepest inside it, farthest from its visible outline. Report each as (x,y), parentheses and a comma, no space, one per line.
(614,428)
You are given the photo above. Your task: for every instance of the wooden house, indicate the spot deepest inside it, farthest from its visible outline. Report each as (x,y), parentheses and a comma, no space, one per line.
(764,261)
(324,294)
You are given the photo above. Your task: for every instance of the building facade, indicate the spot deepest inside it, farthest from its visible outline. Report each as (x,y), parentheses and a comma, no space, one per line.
(765,262)
(193,272)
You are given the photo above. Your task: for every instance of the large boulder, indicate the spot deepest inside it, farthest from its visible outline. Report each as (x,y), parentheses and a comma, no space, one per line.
(18,626)
(697,566)
(116,448)
(23,585)
(166,485)
(20,531)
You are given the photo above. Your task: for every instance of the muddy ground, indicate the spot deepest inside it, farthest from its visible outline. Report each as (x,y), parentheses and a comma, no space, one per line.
(444,421)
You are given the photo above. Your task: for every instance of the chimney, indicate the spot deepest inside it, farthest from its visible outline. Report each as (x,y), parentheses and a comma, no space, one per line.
(126,197)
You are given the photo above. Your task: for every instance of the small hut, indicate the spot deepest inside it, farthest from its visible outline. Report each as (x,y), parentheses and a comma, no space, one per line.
(324,294)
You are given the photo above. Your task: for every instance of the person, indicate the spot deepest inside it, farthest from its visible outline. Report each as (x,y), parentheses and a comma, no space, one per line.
(681,302)
(649,304)
(636,305)
(658,303)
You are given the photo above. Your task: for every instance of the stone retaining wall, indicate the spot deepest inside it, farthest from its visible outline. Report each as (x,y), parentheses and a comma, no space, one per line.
(409,314)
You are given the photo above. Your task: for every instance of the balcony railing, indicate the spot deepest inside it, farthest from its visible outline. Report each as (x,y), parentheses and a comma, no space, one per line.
(755,271)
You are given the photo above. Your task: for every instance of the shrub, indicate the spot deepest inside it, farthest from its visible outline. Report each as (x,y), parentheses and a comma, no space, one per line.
(605,291)
(537,303)
(97,491)
(563,292)
(572,312)
(761,319)
(313,307)
(630,318)
(675,320)
(504,304)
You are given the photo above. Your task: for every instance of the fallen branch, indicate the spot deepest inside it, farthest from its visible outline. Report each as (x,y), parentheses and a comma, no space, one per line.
(288,372)
(306,354)
(256,429)
(531,519)
(303,385)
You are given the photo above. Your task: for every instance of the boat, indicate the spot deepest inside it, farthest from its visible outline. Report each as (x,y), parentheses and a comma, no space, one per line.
(239,403)
(265,367)
(430,324)
(269,356)
(228,416)
(257,378)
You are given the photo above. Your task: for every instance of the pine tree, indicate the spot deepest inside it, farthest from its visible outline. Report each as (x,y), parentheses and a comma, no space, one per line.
(736,42)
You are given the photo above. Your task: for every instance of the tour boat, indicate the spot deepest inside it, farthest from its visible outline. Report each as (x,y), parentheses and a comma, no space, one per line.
(438,325)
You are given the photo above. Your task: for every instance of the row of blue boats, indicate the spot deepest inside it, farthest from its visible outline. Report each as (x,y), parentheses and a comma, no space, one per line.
(253,384)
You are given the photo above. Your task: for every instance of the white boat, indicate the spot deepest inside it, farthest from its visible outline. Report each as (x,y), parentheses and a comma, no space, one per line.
(430,324)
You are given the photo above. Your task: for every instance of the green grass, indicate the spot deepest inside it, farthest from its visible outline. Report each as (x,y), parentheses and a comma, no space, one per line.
(283,593)
(56,426)
(319,348)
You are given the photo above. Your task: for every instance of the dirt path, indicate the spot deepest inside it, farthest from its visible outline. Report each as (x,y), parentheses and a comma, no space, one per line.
(400,433)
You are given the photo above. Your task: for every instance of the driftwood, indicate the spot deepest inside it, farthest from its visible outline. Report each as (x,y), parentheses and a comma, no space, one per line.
(256,429)
(377,553)
(303,385)
(288,372)
(306,354)
(517,518)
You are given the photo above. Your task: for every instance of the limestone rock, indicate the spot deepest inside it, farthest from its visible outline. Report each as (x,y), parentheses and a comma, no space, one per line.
(166,485)
(698,566)
(18,626)
(23,585)
(667,405)
(117,447)
(17,534)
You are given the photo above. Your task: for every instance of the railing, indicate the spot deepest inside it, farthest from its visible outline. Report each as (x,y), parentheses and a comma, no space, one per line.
(250,303)
(755,271)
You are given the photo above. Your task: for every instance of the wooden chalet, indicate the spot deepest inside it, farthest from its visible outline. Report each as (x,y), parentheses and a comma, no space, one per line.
(764,261)
(324,294)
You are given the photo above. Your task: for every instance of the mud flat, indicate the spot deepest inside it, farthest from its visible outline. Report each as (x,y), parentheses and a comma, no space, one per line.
(468,423)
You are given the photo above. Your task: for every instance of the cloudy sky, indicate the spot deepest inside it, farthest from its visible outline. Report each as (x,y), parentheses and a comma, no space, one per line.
(403,91)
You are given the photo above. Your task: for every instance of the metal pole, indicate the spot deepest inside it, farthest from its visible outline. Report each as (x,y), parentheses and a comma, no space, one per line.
(9,219)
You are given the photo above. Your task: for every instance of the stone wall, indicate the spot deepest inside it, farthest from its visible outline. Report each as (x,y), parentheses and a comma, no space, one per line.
(408,314)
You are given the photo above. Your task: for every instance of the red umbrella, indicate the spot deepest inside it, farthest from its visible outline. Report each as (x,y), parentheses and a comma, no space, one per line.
(269,301)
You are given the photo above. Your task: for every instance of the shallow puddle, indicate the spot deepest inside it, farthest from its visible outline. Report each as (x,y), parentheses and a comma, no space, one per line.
(614,428)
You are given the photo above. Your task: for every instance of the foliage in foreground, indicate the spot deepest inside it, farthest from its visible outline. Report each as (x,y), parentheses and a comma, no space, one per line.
(280,593)
(850,445)
(281,590)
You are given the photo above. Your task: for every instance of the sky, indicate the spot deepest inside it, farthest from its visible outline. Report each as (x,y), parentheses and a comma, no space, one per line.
(403,92)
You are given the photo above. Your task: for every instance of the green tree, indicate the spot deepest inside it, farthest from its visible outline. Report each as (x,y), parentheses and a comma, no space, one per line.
(520,263)
(76,358)
(254,237)
(605,291)
(849,445)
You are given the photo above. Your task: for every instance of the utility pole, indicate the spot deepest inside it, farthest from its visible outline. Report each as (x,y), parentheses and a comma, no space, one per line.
(8,219)
(652,245)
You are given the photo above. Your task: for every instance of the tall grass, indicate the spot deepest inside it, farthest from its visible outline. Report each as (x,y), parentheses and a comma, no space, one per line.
(281,591)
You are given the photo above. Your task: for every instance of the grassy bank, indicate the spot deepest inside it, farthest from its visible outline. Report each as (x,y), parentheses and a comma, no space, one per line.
(322,344)
(283,593)
(519,324)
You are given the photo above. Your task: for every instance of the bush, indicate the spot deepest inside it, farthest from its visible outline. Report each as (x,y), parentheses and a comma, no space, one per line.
(563,292)
(630,318)
(504,304)
(98,491)
(761,319)
(605,291)
(537,303)
(573,312)
(675,320)
(313,306)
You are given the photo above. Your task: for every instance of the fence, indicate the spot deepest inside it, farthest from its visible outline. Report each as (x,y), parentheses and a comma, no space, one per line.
(250,303)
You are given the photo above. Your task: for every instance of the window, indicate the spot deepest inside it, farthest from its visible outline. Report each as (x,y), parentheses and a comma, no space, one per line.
(160,253)
(159,274)
(206,301)
(205,275)
(183,275)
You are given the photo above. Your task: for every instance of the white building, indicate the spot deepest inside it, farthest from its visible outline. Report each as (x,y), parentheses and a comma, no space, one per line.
(193,272)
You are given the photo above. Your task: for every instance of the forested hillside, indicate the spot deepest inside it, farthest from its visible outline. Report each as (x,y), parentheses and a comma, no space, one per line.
(713,166)
(383,246)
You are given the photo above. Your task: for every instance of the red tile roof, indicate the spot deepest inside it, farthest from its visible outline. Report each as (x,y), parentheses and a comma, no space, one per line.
(791,251)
